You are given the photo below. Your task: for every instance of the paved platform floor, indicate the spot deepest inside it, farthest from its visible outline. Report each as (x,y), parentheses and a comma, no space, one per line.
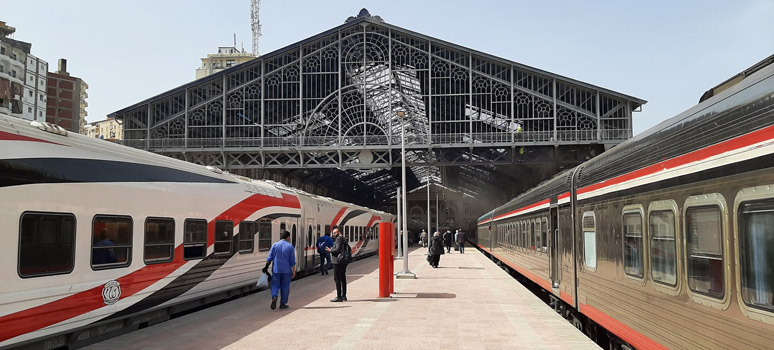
(467,303)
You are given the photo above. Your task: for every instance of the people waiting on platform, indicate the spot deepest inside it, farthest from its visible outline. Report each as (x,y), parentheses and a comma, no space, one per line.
(339,266)
(436,249)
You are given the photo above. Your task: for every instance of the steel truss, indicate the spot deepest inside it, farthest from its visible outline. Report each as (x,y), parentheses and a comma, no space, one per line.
(331,101)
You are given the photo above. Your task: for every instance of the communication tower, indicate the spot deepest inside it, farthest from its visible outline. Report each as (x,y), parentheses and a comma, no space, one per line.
(256,23)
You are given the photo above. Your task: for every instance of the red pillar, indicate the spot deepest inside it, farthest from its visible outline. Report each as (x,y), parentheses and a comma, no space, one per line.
(386,248)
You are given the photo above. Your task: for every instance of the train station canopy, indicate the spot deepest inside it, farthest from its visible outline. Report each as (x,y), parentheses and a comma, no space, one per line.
(331,111)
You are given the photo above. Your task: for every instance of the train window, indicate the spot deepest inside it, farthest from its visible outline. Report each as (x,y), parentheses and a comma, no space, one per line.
(224,237)
(247,236)
(589,226)
(544,233)
(538,236)
(293,236)
(264,235)
(159,240)
(46,244)
(111,244)
(194,239)
(756,253)
(534,238)
(328,230)
(633,244)
(704,250)
(663,247)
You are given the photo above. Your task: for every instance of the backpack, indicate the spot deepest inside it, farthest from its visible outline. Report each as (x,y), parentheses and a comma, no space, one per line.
(346,253)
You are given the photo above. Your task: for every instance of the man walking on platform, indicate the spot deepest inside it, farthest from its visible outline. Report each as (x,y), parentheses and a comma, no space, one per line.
(323,243)
(459,237)
(284,257)
(447,240)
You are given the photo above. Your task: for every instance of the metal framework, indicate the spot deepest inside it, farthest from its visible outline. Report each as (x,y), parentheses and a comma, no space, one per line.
(331,101)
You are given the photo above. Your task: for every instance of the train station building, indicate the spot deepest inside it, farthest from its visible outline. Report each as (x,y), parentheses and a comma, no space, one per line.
(328,115)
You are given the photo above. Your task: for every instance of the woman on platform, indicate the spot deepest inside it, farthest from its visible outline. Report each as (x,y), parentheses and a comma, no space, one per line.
(436,249)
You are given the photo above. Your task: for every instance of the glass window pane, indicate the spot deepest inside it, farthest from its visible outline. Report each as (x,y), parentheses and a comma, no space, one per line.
(159,239)
(246,236)
(46,244)
(704,244)
(663,247)
(590,248)
(111,242)
(632,228)
(264,235)
(756,254)
(194,239)
(224,234)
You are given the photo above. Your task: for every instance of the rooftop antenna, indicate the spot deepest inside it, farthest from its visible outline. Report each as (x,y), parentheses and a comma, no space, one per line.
(256,23)
(235,40)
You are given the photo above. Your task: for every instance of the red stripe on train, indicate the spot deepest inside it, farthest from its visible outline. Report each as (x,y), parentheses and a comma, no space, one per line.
(45,315)
(747,140)
(6,136)
(249,206)
(337,217)
(546,201)
(623,331)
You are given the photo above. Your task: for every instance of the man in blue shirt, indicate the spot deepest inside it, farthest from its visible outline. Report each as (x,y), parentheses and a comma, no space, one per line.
(283,255)
(322,243)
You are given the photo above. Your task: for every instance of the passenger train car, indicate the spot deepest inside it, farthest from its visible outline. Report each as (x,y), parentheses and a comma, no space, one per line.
(666,240)
(100,238)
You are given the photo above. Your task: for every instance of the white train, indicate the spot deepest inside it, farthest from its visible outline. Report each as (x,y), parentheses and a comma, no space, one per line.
(100,239)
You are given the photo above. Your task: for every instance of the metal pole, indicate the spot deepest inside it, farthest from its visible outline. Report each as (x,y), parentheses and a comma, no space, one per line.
(437,213)
(405,273)
(399,228)
(429,232)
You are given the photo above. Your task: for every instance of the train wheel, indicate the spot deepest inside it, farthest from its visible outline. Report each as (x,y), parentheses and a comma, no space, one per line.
(577,323)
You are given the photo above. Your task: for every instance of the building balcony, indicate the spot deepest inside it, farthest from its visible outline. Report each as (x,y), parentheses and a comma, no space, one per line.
(7,76)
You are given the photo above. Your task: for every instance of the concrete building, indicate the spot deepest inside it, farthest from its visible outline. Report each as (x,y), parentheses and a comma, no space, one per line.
(108,129)
(35,81)
(66,99)
(226,57)
(13,57)
(22,78)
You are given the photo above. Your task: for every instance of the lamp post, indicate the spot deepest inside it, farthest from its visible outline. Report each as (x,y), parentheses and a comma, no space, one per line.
(400,227)
(405,273)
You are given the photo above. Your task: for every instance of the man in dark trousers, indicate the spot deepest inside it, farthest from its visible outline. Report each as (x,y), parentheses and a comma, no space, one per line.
(459,237)
(447,239)
(339,266)
(284,258)
(323,243)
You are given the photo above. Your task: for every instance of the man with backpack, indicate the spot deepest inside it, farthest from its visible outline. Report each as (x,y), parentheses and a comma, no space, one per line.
(342,255)
(323,243)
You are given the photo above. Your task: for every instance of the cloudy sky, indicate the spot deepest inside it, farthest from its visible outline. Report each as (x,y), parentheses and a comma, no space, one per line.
(666,52)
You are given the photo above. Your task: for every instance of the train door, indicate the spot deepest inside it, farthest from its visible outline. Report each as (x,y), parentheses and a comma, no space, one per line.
(309,250)
(553,248)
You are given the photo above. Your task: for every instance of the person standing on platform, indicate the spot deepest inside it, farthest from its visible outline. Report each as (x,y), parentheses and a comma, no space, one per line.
(423,237)
(459,237)
(283,255)
(447,239)
(323,243)
(436,249)
(339,266)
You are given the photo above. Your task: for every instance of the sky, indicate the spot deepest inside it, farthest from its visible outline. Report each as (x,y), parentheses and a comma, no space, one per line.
(663,51)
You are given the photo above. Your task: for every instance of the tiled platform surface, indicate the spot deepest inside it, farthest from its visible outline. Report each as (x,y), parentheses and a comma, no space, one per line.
(467,303)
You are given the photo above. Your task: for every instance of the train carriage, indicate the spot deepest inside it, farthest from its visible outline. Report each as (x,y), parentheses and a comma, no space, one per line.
(101,238)
(670,235)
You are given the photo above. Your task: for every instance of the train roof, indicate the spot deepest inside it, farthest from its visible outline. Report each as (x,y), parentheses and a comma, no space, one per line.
(101,149)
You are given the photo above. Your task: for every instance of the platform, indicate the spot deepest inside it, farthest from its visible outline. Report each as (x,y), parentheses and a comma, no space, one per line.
(467,303)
